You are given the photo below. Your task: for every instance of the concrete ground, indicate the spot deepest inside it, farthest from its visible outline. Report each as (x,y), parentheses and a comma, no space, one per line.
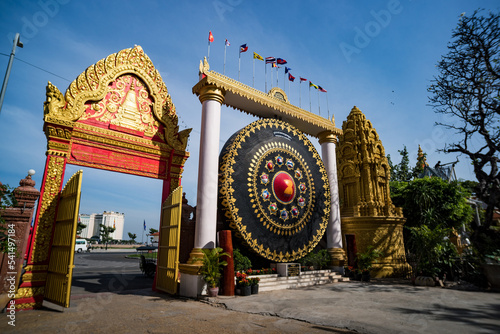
(376,307)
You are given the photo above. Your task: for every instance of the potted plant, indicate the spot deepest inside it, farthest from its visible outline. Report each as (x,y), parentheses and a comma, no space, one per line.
(243,284)
(492,269)
(365,261)
(254,283)
(211,269)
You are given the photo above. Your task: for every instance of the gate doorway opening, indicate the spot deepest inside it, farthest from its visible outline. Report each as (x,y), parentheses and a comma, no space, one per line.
(117,268)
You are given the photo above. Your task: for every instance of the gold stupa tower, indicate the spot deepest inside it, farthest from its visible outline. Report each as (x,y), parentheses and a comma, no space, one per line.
(367,214)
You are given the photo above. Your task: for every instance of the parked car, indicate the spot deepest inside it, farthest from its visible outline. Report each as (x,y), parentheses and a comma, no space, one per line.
(81,245)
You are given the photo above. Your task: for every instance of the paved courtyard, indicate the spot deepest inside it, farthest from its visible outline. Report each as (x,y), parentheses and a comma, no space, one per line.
(375,307)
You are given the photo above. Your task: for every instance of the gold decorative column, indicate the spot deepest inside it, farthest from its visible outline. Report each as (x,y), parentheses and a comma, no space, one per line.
(31,291)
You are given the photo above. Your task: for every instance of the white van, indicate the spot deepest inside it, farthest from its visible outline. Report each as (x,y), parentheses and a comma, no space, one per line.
(81,245)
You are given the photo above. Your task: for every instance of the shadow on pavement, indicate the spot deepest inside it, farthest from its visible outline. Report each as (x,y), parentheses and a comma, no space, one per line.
(477,317)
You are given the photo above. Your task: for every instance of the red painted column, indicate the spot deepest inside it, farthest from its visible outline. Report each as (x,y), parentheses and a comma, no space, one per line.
(227,283)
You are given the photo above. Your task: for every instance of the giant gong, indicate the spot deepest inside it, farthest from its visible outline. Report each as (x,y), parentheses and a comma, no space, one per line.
(274,190)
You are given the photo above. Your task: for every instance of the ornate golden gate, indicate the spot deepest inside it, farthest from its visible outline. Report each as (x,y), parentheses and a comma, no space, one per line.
(167,268)
(60,270)
(117,116)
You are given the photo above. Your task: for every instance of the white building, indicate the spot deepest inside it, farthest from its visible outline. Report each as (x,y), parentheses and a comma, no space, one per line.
(108,218)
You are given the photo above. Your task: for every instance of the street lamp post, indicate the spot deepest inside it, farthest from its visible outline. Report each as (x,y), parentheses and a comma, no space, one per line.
(17,42)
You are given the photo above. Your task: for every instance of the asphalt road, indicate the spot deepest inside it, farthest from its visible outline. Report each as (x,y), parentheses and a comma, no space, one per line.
(107,272)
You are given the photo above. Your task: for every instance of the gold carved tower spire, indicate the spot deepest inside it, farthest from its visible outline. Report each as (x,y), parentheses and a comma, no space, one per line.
(363,170)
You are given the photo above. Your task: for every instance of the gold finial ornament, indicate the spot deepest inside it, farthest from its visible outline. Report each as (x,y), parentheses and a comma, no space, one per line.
(204,66)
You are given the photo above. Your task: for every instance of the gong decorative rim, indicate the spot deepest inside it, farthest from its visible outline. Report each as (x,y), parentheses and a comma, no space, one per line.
(274,190)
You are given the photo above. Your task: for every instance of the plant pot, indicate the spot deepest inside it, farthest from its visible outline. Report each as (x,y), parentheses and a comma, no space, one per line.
(255,289)
(245,290)
(492,273)
(213,292)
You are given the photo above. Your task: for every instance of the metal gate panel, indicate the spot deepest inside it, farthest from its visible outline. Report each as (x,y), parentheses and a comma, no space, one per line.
(167,269)
(60,270)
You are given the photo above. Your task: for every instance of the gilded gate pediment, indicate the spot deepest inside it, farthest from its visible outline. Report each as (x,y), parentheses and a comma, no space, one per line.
(94,84)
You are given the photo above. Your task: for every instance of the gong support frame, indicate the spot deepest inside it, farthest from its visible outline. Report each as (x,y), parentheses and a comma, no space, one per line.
(215,89)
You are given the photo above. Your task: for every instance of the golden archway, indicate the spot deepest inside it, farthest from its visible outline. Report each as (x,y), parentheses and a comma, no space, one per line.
(117,115)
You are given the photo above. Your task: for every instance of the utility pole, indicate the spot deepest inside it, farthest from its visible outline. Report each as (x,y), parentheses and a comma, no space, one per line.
(17,42)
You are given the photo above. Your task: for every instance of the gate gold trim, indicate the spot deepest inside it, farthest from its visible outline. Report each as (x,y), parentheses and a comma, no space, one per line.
(167,269)
(60,270)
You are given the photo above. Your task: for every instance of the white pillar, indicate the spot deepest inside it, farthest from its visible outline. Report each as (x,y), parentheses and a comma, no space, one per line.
(211,99)
(333,230)
(208,168)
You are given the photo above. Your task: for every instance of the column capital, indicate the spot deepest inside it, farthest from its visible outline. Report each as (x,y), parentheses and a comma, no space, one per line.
(211,92)
(327,137)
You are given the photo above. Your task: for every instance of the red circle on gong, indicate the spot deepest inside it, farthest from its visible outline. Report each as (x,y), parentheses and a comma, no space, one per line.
(283,187)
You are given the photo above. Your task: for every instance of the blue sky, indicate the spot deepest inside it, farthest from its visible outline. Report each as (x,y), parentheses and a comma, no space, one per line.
(377,55)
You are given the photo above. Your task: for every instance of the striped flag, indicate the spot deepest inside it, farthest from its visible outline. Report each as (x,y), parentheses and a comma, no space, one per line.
(303,79)
(321,89)
(270,60)
(291,77)
(243,48)
(312,85)
(281,61)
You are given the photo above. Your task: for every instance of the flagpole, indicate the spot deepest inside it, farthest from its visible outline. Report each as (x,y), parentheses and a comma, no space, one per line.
(319,107)
(300,89)
(327,107)
(253,79)
(271,75)
(208,56)
(224,71)
(310,109)
(265,73)
(239,64)
(277,81)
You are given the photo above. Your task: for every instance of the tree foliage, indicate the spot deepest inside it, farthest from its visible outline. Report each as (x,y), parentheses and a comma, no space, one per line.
(402,171)
(467,92)
(80,227)
(105,232)
(432,202)
(132,236)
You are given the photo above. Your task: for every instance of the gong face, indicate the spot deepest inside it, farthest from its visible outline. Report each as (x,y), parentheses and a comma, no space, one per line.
(274,190)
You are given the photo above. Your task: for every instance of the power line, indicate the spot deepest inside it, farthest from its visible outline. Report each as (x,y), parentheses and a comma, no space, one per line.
(37,67)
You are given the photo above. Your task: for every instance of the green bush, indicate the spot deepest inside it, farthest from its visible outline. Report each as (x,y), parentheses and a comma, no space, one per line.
(241,262)
(318,260)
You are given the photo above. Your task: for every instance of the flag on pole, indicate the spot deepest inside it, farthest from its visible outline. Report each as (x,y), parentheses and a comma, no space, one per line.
(291,77)
(210,39)
(303,79)
(312,85)
(281,61)
(321,89)
(270,60)
(226,43)
(144,224)
(274,65)
(287,69)
(243,48)
(257,56)
(114,223)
